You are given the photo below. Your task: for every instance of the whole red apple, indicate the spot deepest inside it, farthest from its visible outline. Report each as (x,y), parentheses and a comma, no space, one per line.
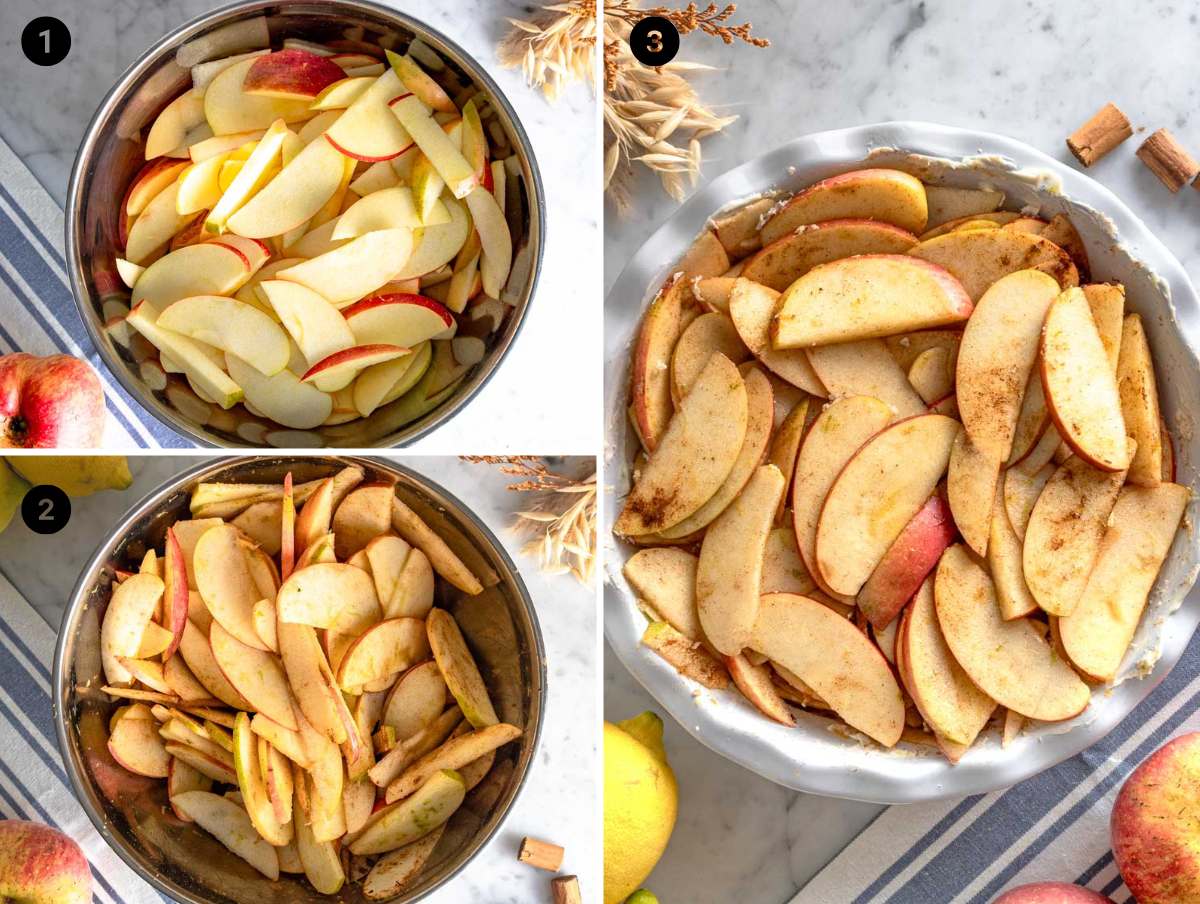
(1051,893)
(53,402)
(41,865)
(1156,825)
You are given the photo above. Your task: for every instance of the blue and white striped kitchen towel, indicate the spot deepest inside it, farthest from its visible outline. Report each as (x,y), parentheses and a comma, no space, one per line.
(33,783)
(1052,827)
(37,313)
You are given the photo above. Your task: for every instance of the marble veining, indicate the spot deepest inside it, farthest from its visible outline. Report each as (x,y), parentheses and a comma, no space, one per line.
(558,802)
(1032,71)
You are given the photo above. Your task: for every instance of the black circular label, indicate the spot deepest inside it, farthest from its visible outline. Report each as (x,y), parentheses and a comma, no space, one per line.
(46,41)
(654,41)
(45,509)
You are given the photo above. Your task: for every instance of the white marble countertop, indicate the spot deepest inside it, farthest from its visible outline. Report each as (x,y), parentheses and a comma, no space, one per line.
(558,802)
(1029,70)
(44,111)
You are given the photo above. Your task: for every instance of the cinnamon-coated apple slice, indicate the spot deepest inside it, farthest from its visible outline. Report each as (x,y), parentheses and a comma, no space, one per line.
(754,681)
(406,821)
(1010,661)
(415,700)
(751,307)
(876,494)
(664,579)
(971,480)
(229,824)
(786,259)
(865,368)
(884,195)
(997,355)
(1139,403)
(784,570)
(949,203)
(228,109)
(835,659)
(385,649)
(256,675)
(292,74)
(459,669)
(979,258)
(367,131)
(704,336)
(1004,560)
(867,297)
(329,595)
(181,680)
(361,517)
(836,434)
(1081,388)
(948,700)
(130,610)
(650,383)
(1064,533)
(1107,302)
(136,745)
(1098,632)
(455,753)
(226,583)
(414,590)
(1032,420)
(395,871)
(931,374)
(696,453)
(198,656)
(320,859)
(311,680)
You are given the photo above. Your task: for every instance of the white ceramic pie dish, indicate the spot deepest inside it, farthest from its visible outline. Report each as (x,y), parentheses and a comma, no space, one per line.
(811,757)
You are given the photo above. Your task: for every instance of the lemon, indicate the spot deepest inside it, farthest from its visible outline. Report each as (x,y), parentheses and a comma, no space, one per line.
(75,475)
(12,491)
(640,803)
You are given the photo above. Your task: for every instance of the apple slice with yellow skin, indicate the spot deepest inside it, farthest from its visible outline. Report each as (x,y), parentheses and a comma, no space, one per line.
(229,824)
(338,370)
(865,368)
(1065,531)
(155,226)
(884,195)
(385,649)
(1098,632)
(786,259)
(206,764)
(341,94)
(835,659)
(416,700)
(695,455)
(320,859)
(210,268)
(171,126)
(180,778)
(316,326)
(256,675)
(1139,403)
(1010,661)
(231,326)
(386,556)
(971,481)
(495,238)
(455,753)
(292,74)
(436,246)
(130,610)
(327,778)
(361,517)
(356,269)
(226,583)
(366,131)
(979,258)
(948,701)
(751,307)
(277,776)
(229,109)
(877,493)
(664,579)
(417,81)
(729,573)
(258,169)
(389,208)
(841,428)
(254,787)
(866,297)
(409,820)
(282,397)
(395,871)
(150,181)
(135,744)
(449,162)
(459,669)
(294,195)
(329,595)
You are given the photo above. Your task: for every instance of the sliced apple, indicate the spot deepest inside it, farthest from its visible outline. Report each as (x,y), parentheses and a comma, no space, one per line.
(751,307)
(204,73)
(150,181)
(416,700)
(754,681)
(229,824)
(210,268)
(447,160)
(389,208)
(1107,303)
(320,859)
(494,237)
(362,516)
(413,593)
(690,659)
(979,258)
(1010,661)
(417,81)
(395,871)
(253,786)
(397,319)
(155,226)
(172,125)
(355,269)
(1065,531)
(1139,403)
(437,245)
(259,168)
(650,388)
(367,131)
(386,382)
(453,754)
(316,326)
(136,745)
(130,610)
(341,94)
(226,583)
(885,195)
(180,778)
(790,257)
(156,640)
(459,669)
(228,109)
(231,326)
(906,564)
(1004,560)
(696,453)
(223,144)
(256,675)
(971,489)
(865,368)
(291,74)
(338,370)
(329,595)
(1021,492)
(841,428)
(835,659)
(878,492)
(282,397)
(408,820)
(948,203)
(931,374)
(385,649)
(1098,632)
(300,189)
(311,681)
(867,297)
(784,570)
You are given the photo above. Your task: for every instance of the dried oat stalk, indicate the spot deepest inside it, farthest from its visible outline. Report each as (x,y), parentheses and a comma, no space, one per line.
(561,516)
(554,49)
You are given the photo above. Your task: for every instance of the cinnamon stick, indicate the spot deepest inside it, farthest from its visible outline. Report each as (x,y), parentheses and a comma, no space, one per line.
(565,890)
(1168,160)
(1099,135)
(541,854)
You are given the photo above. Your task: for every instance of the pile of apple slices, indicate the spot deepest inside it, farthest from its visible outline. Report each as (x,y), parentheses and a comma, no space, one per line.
(290,677)
(316,234)
(980,483)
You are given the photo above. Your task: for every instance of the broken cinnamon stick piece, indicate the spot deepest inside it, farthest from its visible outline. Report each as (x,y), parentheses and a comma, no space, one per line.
(541,854)
(1099,135)
(565,890)
(1168,160)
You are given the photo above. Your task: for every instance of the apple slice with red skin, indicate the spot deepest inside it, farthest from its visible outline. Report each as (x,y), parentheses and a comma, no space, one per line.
(904,567)
(398,319)
(210,268)
(338,370)
(754,681)
(751,308)
(417,81)
(229,109)
(294,195)
(150,181)
(230,824)
(785,260)
(883,195)
(315,514)
(197,654)
(175,594)
(131,608)
(135,744)
(287,543)
(650,389)
(291,74)
(971,481)
(355,269)
(389,647)
(979,258)
(367,130)
(386,555)
(865,368)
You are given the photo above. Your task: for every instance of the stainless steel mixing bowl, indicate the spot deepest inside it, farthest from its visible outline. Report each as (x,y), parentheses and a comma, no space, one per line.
(132,813)
(112,151)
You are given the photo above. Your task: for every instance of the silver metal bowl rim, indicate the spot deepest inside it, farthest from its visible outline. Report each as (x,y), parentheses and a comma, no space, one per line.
(702,715)
(74,212)
(79,783)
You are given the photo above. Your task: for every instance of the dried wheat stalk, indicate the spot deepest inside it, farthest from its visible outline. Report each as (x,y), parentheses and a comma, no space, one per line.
(554,49)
